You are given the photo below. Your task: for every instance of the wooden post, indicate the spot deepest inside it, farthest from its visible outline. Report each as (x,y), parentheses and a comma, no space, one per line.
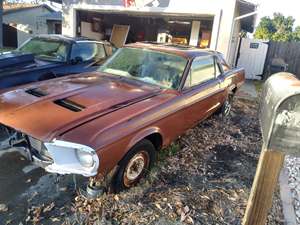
(265,181)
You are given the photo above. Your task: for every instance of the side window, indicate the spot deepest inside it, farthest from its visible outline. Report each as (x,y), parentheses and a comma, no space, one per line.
(202,69)
(223,63)
(217,66)
(101,52)
(85,50)
(109,49)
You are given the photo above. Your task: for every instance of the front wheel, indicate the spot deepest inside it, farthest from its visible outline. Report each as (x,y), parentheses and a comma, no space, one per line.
(134,165)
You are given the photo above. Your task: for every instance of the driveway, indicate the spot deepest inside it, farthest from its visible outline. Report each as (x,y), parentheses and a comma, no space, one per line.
(25,190)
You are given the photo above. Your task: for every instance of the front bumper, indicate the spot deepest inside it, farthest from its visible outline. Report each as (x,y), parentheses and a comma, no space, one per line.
(55,157)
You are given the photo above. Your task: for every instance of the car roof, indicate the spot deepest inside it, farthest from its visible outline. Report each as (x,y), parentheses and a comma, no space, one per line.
(66,38)
(186,51)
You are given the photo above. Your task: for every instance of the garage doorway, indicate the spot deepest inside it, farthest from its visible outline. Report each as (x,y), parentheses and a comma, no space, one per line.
(152,28)
(10,36)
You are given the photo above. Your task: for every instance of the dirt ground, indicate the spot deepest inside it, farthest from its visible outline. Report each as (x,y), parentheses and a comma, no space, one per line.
(203,178)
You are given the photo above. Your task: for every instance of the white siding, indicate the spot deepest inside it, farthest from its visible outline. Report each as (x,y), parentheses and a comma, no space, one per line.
(222,10)
(28,20)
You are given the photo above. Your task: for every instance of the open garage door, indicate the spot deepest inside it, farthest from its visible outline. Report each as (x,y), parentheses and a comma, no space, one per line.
(145,27)
(119,35)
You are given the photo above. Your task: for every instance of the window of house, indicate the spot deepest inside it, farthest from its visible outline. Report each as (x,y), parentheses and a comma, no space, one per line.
(202,70)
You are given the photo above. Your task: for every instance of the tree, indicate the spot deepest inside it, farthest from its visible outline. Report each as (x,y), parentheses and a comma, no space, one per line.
(278,28)
(296,34)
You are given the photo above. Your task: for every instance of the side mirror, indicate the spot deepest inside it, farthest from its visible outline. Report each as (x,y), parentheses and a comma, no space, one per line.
(77,60)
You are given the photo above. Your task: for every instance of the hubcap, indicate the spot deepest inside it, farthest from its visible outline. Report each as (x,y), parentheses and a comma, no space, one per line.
(227,108)
(135,168)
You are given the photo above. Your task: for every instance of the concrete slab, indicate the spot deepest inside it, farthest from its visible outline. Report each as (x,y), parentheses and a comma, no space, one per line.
(286,198)
(24,186)
(247,91)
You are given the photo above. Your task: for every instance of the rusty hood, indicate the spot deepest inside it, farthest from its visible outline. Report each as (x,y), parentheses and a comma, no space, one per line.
(48,109)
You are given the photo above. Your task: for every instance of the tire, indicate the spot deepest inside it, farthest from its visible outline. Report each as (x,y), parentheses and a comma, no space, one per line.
(134,166)
(225,109)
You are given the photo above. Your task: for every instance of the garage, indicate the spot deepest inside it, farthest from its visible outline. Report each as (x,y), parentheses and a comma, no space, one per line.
(121,28)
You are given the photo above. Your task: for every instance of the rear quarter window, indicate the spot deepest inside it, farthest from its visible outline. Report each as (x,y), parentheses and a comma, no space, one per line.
(202,70)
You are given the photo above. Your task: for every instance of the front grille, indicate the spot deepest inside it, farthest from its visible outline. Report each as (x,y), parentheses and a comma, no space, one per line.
(10,137)
(38,149)
(35,143)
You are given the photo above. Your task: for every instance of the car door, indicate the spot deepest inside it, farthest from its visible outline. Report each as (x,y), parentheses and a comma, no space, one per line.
(201,89)
(225,78)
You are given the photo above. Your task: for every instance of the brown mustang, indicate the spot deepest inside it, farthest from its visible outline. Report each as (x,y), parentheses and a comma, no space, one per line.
(140,100)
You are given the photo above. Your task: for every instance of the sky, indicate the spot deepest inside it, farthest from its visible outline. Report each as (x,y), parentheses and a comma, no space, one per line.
(286,7)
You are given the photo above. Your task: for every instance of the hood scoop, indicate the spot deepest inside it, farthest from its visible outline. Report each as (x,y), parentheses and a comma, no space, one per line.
(68,104)
(36,92)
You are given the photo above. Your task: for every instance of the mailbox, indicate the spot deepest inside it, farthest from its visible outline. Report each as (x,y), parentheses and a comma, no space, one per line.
(280,114)
(280,124)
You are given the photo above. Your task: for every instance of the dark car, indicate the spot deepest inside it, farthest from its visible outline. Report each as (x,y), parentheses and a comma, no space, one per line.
(116,119)
(50,56)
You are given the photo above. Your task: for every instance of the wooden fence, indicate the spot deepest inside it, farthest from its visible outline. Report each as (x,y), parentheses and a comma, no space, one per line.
(288,51)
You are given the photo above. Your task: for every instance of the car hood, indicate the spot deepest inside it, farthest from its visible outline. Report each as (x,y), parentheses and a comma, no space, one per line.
(48,109)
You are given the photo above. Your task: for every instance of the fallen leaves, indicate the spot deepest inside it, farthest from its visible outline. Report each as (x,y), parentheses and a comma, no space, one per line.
(48,208)
(205,179)
(37,213)
(3,208)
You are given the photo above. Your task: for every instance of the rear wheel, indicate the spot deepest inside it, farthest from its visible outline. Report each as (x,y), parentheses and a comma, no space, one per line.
(225,109)
(134,165)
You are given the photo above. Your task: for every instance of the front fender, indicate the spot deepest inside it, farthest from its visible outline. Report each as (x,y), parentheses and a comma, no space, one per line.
(142,134)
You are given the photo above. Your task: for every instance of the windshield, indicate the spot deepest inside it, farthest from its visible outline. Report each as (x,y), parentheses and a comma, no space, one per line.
(50,50)
(153,67)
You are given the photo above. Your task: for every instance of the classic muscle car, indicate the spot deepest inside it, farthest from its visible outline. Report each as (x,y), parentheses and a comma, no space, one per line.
(116,119)
(49,56)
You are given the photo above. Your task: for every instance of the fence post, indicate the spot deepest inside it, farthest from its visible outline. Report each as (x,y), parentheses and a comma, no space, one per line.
(265,181)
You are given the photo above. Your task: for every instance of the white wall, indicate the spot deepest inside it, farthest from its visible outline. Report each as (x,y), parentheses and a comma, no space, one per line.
(27,20)
(222,10)
(232,51)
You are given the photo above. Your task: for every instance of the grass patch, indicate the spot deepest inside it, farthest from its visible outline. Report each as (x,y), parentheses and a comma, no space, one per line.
(258,85)
(169,151)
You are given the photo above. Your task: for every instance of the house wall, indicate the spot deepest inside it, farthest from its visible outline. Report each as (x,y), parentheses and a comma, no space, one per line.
(234,40)
(29,22)
(222,11)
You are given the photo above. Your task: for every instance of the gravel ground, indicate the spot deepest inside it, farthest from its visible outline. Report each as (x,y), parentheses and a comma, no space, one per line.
(205,177)
(292,164)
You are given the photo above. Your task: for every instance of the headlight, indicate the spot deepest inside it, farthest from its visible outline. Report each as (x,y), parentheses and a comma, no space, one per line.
(72,158)
(85,158)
